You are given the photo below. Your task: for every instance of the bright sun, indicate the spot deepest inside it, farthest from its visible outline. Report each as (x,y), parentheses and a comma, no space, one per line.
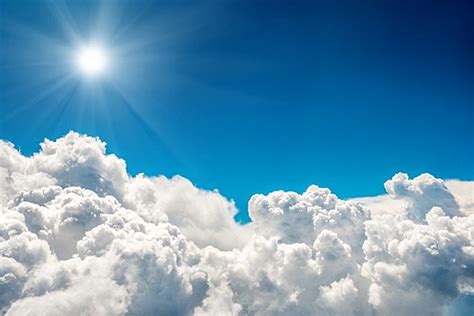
(92,61)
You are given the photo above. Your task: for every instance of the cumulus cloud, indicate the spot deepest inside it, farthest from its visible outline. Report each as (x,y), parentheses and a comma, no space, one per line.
(422,193)
(80,236)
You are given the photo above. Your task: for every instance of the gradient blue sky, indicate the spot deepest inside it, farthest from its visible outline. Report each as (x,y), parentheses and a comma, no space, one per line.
(250,96)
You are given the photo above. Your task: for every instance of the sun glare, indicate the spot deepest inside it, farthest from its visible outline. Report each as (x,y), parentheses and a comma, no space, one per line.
(92,61)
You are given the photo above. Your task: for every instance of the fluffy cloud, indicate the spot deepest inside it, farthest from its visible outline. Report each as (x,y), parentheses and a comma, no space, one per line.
(78,235)
(422,193)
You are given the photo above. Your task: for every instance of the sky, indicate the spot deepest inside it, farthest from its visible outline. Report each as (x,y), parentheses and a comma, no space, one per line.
(255,112)
(250,96)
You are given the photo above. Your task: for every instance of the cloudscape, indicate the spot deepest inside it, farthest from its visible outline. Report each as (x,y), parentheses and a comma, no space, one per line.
(80,236)
(234,158)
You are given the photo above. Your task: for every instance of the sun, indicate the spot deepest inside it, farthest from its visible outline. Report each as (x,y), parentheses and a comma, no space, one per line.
(92,61)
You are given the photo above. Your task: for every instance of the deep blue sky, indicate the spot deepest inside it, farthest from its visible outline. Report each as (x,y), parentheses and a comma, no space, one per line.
(251,96)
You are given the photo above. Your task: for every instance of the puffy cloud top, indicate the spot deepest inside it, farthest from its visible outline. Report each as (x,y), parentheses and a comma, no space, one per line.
(422,193)
(78,235)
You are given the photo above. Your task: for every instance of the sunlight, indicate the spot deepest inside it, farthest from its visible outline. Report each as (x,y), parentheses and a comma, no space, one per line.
(92,61)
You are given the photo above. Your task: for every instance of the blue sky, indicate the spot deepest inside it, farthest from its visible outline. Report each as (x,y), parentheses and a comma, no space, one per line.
(249,97)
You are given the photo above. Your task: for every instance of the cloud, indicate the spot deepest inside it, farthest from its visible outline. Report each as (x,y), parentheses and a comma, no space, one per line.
(422,193)
(205,217)
(78,235)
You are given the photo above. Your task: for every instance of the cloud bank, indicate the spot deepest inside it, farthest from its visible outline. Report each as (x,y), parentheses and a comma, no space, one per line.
(80,236)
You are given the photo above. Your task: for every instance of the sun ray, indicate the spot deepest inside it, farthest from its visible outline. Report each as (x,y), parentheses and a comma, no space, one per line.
(49,88)
(60,10)
(146,126)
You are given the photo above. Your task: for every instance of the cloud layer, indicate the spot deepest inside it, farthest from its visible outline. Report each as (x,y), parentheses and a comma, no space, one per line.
(78,235)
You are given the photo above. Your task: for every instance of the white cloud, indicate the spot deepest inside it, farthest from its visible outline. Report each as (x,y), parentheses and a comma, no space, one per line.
(300,218)
(340,297)
(463,191)
(78,235)
(422,193)
(205,217)
(98,297)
